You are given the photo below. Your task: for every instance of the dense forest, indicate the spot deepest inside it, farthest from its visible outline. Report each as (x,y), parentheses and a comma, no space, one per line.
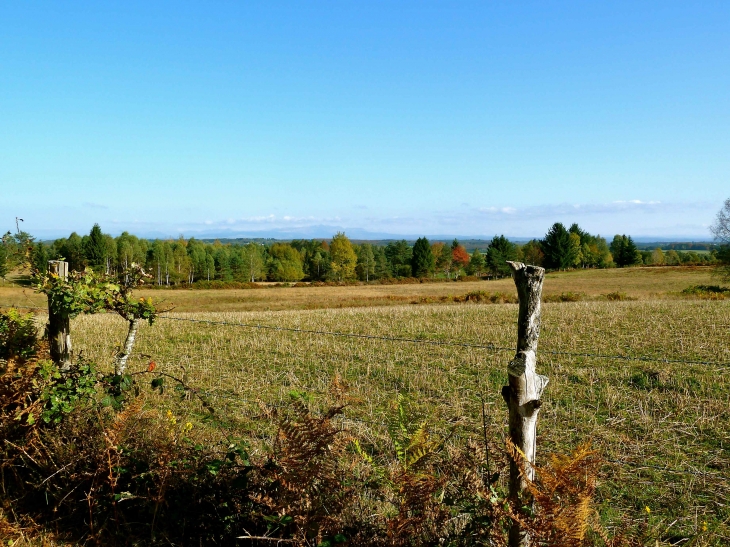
(187,261)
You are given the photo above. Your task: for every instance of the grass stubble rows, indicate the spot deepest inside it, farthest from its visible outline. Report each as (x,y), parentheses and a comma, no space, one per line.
(663,428)
(635,283)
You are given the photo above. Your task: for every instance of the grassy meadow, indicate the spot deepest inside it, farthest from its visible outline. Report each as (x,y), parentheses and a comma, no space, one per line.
(640,283)
(662,427)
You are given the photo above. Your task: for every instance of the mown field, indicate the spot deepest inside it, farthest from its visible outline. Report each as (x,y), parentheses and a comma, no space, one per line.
(642,416)
(662,427)
(641,283)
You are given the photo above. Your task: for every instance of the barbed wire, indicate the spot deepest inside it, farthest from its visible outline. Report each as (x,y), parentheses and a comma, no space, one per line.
(345,334)
(343,418)
(447,343)
(640,466)
(37,308)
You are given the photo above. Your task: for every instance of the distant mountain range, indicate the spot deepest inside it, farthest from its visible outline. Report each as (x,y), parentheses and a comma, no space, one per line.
(360,235)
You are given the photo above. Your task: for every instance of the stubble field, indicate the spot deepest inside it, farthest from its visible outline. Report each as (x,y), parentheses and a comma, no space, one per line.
(662,422)
(640,283)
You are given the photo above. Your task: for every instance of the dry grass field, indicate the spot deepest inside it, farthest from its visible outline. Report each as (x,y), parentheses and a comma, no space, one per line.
(641,283)
(663,427)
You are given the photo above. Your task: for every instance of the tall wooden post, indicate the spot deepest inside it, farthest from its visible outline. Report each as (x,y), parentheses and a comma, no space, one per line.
(59,325)
(525,388)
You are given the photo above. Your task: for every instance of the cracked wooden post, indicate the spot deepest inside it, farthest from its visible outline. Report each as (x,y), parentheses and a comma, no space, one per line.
(59,325)
(525,388)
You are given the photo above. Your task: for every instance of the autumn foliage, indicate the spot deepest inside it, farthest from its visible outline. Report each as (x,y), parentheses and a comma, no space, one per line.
(460,256)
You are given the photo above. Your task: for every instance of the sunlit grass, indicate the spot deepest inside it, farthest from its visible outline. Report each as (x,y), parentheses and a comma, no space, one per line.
(647,414)
(650,414)
(638,283)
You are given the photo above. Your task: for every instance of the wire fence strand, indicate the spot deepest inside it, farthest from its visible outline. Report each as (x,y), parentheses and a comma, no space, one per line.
(425,341)
(608,461)
(449,343)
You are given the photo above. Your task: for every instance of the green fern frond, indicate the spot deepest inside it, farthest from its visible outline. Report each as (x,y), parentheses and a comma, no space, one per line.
(360,452)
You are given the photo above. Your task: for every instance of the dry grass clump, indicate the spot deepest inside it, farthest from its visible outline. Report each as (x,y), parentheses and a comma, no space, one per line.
(564,297)
(709,292)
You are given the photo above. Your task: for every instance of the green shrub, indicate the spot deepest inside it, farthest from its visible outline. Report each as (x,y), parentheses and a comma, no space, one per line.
(711,292)
(18,335)
(486,297)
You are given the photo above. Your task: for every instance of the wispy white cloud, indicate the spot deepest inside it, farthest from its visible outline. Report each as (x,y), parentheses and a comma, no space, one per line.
(630,216)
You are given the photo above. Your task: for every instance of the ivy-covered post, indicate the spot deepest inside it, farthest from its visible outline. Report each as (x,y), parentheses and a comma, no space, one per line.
(59,323)
(525,388)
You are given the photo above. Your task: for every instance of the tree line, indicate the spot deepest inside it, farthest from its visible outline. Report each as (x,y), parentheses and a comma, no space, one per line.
(185,261)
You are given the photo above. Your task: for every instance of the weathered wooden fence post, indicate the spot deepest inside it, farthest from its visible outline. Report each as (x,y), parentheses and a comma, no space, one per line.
(59,325)
(522,395)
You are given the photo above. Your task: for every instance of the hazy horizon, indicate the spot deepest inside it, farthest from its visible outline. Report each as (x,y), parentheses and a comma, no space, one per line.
(324,232)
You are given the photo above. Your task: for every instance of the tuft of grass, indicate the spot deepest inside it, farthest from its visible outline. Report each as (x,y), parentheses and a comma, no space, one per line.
(564,297)
(617,296)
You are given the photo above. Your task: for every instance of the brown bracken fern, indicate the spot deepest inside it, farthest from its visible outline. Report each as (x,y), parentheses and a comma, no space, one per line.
(304,488)
(562,493)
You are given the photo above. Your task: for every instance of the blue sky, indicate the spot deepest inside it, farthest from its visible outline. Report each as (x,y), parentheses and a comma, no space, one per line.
(413,118)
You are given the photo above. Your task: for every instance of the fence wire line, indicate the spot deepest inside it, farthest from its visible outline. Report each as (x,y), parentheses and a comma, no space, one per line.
(448,343)
(343,418)
(488,347)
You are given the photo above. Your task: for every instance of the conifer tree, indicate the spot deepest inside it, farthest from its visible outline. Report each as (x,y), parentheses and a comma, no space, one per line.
(624,251)
(382,267)
(95,249)
(3,260)
(39,258)
(557,247)
(399,257)
(500,250)
(422,260)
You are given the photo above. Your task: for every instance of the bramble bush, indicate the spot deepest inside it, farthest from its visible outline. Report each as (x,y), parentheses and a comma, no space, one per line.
(709,292)
(65,391)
